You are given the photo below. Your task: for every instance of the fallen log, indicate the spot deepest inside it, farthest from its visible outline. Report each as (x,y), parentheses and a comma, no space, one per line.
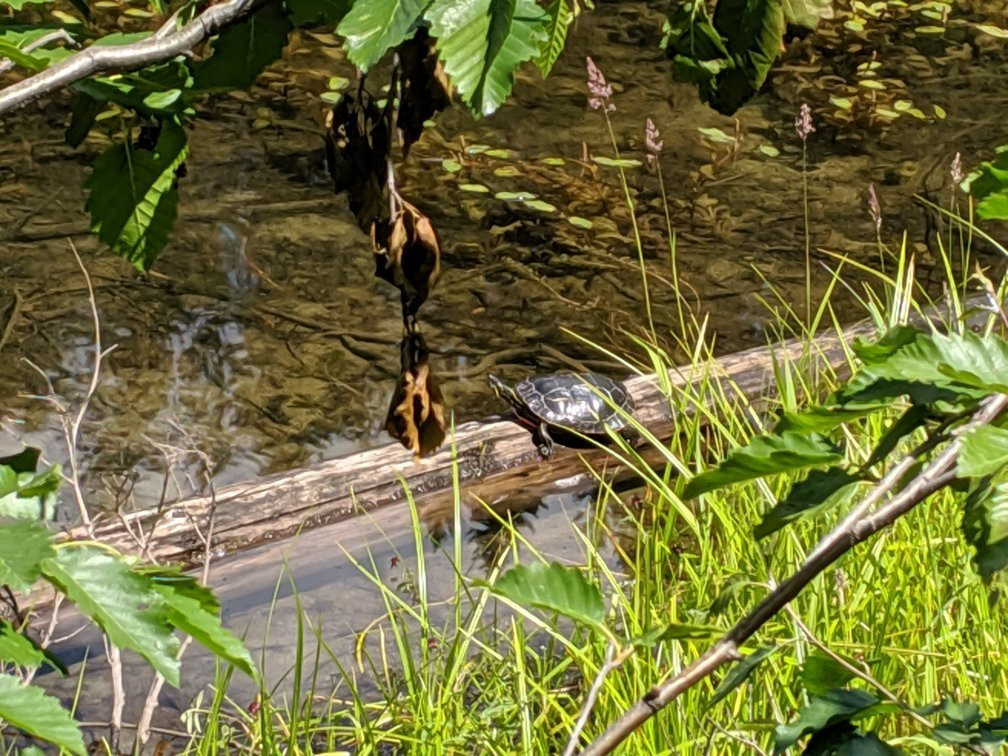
(496,460)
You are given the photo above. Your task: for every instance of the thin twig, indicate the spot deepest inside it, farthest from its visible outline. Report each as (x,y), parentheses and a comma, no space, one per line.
(935,476)
(164,45)
(71,429)
(12,319)
(143,730)
(613,661)
(45,39)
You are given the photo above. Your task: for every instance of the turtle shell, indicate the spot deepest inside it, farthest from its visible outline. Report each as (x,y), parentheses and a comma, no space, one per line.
(576,401)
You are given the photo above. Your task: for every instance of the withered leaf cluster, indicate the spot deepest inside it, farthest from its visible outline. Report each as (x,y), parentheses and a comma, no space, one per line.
(410,257)
(423,86)
(406,245)
(357,147)
(416,415)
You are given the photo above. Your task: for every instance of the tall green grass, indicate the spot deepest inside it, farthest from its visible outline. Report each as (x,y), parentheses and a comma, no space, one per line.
(464,673)
(471,675)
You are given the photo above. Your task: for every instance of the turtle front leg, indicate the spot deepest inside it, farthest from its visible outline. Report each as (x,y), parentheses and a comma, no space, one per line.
(544,441)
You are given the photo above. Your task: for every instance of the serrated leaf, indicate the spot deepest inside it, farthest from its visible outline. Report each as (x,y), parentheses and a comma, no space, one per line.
(822,711)
(132,196)
(18,649)
(984,451)
(372,27)
(985,525)
(962,362)
(243,50)
(558,18)
(740,673)
(766,455)
(482,43)
(24,545)
(821,490)
(555,588)
(30,710)
(122,602)
(193,609)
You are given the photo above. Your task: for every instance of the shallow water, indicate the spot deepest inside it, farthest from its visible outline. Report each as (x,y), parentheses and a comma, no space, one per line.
(263,340)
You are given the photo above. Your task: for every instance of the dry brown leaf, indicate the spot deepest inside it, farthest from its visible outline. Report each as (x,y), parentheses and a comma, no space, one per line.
(416,415)
(411,257)
(424,86)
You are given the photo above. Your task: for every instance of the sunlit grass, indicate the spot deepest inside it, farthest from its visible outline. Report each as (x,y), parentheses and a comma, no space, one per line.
(472,675)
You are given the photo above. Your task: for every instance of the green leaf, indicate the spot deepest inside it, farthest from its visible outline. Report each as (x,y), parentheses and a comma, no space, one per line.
(821,490)
(139,90)
(82,117)
(162,100)
(555,588)
(985,525)
(822,711)
(20,4)
(912,419)
(740,673)
(966,360)
(821,673)
(805,13)
(28,495)
(193,609)
(25,460)
(875,351)
(821,419)
(24,545)
(174,580)
(729,56)
(372,27)
(132,196)
(984,452)
(30,710)
(558,18)
(17,56)
(18,649)
(243,50)
(616,162)
(122,602)
(766,455)
(482,43)
(989,185)
(309,12)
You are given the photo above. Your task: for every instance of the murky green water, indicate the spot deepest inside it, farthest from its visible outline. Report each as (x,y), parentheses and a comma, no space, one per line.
(263,338)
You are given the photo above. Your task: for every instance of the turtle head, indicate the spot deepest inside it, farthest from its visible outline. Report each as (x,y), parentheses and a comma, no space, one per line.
(503,390)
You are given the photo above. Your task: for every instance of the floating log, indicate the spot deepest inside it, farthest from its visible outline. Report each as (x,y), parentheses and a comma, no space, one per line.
(496,460)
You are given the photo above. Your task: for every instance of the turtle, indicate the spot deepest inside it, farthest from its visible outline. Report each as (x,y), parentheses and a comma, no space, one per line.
(568,406)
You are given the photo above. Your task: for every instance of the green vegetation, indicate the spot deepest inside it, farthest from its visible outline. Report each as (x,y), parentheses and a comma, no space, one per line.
(836,552)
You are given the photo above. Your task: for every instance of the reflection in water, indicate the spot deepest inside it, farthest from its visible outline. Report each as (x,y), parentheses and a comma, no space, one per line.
(264,333)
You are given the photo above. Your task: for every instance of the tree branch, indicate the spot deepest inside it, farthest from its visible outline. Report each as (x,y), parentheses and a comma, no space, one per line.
(834,545)
(168,42)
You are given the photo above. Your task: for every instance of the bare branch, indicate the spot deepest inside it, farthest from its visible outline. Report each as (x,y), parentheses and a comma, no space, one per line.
(168,42)
(835,544)
(613,661)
